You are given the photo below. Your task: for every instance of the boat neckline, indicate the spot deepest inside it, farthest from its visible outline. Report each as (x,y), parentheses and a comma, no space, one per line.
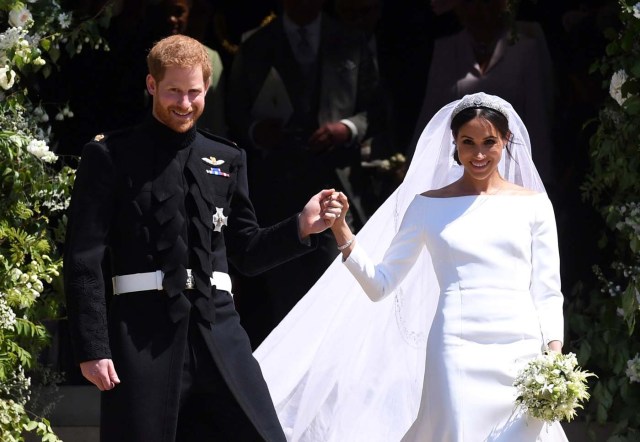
(481,195)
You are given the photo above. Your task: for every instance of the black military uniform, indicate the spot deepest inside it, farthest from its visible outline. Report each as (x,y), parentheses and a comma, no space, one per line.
(174,205)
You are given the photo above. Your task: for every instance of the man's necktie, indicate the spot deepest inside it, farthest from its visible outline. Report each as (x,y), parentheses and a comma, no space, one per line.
(305,53)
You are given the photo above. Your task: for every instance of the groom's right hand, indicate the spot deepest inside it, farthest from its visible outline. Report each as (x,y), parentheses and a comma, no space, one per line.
(101,373)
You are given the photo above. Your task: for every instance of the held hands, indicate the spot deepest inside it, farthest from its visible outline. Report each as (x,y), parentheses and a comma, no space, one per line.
(330,208)
(319,213)
(101,373)
(340,229)
(339,201)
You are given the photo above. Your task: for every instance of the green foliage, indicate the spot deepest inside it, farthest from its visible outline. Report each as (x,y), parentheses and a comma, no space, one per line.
(605,319)
(15,421)
(35,193)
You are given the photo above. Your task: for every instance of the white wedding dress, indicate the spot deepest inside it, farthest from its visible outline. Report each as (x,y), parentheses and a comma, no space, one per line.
(496,261)
(470,291)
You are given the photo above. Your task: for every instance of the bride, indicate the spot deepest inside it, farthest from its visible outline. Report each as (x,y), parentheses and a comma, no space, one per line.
(467,288)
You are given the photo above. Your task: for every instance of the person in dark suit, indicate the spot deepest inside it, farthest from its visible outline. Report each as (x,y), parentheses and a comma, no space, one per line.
(297,98)
(167,205)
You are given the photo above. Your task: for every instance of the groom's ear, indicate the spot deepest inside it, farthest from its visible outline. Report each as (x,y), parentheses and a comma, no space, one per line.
(151,84)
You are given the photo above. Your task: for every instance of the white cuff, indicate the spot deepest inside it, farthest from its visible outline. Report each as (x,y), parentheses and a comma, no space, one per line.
(352,128)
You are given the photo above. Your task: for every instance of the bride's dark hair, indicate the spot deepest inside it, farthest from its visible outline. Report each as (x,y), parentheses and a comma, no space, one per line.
(497,119)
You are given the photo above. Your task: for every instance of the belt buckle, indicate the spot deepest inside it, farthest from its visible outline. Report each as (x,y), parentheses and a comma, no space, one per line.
(190,282)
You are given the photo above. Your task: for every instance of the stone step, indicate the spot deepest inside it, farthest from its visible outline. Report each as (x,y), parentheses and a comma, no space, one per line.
(76,418)
(78,434)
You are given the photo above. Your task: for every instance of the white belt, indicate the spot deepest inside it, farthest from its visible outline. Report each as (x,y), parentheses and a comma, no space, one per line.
(138,282)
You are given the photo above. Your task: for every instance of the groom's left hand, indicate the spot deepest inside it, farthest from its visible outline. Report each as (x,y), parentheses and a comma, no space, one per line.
(319,213)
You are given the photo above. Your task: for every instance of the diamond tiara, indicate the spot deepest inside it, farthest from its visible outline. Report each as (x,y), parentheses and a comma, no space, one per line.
(481,100)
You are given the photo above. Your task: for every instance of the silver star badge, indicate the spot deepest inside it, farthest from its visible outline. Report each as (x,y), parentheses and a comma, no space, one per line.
(219,220)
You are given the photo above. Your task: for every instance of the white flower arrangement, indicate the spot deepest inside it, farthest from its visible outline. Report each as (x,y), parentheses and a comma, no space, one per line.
(34,34)
(7,78)
(615,87)
(630,213)
(633,369)
(40,149)
(551,387)
(7,315)
(609,329)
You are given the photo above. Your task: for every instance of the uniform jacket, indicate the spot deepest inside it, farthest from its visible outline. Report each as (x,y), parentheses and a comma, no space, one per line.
(147,198)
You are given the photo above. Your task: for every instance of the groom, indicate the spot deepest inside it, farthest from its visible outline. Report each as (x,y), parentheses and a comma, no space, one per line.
(167,205)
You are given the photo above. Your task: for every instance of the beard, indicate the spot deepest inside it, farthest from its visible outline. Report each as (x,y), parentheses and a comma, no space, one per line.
(178,120)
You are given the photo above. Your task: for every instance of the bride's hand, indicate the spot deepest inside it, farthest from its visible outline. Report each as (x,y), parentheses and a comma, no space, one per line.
(333,208)
(342,202)
(555,346)
(340,229)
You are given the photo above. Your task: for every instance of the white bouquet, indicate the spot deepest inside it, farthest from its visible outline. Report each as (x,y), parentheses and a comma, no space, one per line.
(552,386)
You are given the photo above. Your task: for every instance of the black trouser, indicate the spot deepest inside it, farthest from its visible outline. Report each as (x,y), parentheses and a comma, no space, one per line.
(208,409)
(162,392)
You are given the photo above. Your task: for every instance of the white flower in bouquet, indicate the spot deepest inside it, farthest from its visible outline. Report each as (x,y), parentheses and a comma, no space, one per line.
(551,387)
(633,369)
(615,87)
(636,10)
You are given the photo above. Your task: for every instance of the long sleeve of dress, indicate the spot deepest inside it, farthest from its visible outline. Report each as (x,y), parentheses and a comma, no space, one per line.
(379,280)
(545,274)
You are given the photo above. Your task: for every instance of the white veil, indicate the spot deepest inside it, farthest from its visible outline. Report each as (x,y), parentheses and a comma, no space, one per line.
(342,368)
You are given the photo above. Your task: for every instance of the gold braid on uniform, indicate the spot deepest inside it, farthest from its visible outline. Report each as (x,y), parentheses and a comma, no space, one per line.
(268,19)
